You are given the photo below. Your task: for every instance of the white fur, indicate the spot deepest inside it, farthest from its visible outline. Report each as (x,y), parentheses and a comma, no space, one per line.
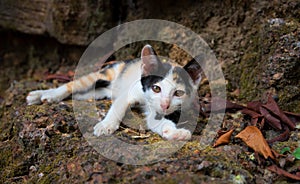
(49,95)
(119,106)
(166,128)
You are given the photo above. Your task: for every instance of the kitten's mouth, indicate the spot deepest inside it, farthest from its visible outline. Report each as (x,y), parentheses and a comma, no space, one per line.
(169,110)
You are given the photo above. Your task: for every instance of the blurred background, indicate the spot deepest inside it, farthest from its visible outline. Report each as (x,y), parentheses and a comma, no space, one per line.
(257,42)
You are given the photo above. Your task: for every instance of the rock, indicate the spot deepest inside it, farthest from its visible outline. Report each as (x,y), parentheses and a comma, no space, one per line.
(276,22)
(275,67)
(70,22)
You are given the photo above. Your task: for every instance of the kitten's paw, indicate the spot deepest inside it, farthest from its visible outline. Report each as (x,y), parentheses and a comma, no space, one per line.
(172,133)
(105,128)
(34,97)
(49,95)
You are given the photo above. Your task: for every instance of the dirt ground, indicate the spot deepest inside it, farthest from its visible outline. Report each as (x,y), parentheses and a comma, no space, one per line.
(258,47)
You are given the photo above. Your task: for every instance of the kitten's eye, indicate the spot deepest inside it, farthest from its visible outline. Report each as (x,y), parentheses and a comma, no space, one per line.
(156,88)
(179,93)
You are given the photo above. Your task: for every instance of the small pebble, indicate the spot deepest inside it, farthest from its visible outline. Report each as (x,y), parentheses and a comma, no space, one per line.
(276,22)
(32,168)
(41,175)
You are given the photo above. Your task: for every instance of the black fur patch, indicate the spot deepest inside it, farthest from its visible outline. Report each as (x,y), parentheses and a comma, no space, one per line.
(174,116)
(183,77)
(149,80)
(156,76)
(101,83)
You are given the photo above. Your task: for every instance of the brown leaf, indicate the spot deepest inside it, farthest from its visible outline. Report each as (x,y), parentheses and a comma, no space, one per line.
(274,109)
(276,154)
(272,106)
(272,121)
(59,77)
(282,137)
(253,137)
(223,139)
(254,105)
(294,117)
(279,171)
(251,113)
(254,121)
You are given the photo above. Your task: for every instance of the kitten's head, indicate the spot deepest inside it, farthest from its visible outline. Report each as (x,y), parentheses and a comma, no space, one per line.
(166,86)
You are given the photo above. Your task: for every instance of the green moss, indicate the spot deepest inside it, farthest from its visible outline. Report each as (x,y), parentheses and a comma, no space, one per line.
(6,159)
(49,178)
(285,96)
(248,80)
(255,68)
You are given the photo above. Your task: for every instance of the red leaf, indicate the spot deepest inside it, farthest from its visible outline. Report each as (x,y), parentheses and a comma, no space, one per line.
(251,113)
(254,105)
(294,117)
(59,77)
(274,109)
(272,121)
(279,171)
(282,137)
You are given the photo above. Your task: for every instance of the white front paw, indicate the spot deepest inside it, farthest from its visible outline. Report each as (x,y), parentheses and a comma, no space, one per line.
(172,133)
(34,97)
(105,127)
(49,95)
(39,96)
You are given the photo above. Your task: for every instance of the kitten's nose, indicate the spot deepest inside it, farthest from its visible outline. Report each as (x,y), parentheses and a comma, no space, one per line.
(165,105)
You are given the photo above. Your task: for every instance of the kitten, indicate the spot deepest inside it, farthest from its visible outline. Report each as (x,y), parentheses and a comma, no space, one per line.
(161,89)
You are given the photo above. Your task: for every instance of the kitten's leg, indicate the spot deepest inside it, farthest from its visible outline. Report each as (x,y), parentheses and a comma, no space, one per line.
(113,118)
(83,84)
(50,95)
(96,94)
(118,108)
(167,129)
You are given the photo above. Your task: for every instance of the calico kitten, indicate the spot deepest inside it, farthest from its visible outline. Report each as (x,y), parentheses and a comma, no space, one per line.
(159,87)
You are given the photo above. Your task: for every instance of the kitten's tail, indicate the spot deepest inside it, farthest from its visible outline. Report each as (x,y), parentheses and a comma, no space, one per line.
(105,75)
(81,85)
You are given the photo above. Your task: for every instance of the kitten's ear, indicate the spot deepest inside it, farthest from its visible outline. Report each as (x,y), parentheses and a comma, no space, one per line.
(150,60)
(194,70)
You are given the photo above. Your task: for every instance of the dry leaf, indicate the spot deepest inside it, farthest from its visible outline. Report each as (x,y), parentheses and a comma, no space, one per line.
(251,113)
(141,136)
(274,108)
(273,122)
(253,137)
(254,105)
(294,117)
(282,137)
(224,139)
(279,171)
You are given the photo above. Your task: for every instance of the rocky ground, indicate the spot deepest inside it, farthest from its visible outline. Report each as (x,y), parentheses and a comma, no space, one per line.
(258,46)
